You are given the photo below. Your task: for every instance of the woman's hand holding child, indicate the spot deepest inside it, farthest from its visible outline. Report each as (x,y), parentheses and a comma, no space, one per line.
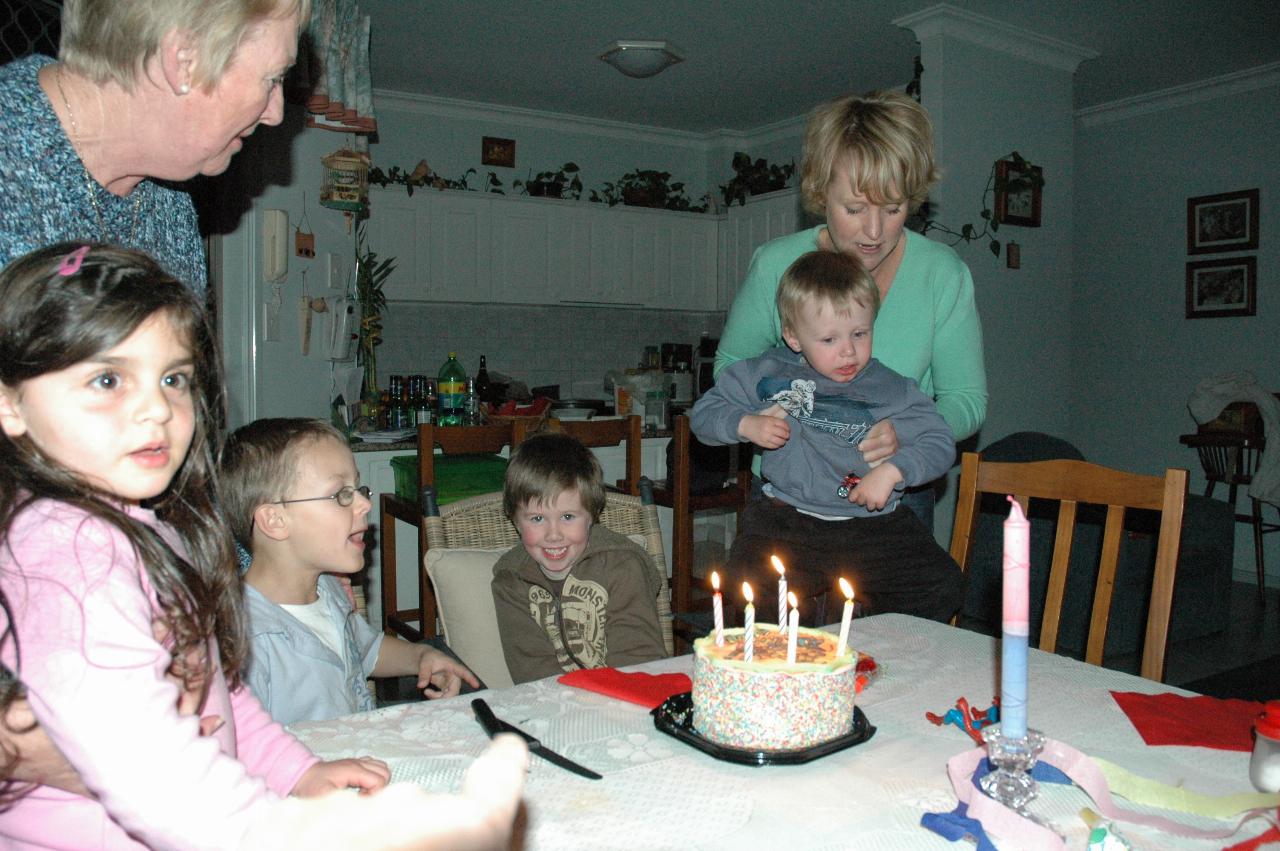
(880,443)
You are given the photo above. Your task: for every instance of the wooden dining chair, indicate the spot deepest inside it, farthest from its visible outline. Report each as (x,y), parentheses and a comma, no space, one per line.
(464,541)
(1071,483)
(452,440)
(1231,459)
(676,494)
(595,433)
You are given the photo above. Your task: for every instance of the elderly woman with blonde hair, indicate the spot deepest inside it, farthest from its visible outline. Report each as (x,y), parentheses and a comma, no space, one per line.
(868,163)
(145,93)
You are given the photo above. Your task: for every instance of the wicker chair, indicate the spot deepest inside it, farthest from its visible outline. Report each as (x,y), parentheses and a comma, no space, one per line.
(478,523)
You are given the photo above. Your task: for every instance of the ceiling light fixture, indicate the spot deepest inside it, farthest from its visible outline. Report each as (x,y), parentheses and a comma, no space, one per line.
(641,58)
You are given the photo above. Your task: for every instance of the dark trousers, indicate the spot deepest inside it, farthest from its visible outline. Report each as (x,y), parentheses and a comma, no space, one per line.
(891,560)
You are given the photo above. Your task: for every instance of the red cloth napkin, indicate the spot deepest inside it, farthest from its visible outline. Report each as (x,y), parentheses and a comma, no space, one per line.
(1206,722)
(648,690)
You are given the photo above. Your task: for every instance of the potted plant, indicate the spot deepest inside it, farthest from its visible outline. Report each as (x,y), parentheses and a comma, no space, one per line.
(647,188)
(923,221)
(552,184)
(370,274)
(754,177)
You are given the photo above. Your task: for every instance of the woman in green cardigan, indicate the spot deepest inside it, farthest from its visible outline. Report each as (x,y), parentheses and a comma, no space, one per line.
(868,163)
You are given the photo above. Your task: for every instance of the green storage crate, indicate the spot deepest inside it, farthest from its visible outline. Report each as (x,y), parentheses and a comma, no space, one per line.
(457,476)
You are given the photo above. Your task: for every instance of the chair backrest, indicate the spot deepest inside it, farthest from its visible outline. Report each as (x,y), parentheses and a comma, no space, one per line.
(678,496)
(454,440)
(1227,457)
(609,432)
(479,523)
(1070,483)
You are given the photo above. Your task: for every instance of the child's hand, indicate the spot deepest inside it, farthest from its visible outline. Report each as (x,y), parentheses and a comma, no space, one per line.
(876,487)
(768,429)
(439,675)
(480,816)
(880,443)
(364,773)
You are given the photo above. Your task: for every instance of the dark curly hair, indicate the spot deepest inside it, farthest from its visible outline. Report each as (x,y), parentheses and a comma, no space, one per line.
(51,319)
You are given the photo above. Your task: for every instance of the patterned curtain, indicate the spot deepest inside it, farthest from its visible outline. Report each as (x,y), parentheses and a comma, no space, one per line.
(341,88)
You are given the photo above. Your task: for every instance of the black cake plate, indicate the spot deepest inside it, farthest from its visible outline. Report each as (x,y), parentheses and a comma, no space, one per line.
(675,718)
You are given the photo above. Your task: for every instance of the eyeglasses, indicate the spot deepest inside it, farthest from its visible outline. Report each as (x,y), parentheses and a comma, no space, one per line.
(343,497)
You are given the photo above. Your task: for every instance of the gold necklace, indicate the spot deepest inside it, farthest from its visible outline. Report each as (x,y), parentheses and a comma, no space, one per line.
(88,179)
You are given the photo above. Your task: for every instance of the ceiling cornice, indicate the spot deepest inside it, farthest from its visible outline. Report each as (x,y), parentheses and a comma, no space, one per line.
(1264,76)
(943,19)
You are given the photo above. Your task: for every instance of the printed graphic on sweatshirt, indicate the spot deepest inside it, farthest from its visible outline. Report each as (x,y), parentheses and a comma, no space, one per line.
(847,419)
(583,605)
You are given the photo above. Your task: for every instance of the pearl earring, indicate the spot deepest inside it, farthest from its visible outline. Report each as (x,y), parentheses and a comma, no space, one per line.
(184,88)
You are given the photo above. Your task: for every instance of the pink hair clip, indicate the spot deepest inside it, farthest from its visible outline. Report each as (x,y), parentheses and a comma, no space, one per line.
(72,262)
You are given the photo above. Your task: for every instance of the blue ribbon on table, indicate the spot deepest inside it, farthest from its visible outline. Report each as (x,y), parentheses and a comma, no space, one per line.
(956,825)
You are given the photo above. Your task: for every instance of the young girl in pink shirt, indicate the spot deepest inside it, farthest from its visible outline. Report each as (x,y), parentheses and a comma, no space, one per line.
(119,571)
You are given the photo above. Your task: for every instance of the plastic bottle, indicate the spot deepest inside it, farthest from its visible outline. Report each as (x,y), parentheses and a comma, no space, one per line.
(451,388)
(482,382)
(1264,765)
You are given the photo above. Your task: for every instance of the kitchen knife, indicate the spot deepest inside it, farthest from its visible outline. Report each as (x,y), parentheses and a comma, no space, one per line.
(493,725)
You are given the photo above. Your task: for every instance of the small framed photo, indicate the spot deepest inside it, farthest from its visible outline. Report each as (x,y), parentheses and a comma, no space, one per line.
(1222,288)
(1225,222)
(1018,186)
(495,151)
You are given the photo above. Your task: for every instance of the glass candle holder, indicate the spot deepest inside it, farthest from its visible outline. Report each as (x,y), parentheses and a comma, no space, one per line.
(1010,781)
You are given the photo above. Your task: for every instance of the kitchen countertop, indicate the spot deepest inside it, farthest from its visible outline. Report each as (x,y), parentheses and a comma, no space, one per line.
(412,445)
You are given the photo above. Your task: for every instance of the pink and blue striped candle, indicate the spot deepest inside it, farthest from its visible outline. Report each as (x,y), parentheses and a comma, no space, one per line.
(1015,624)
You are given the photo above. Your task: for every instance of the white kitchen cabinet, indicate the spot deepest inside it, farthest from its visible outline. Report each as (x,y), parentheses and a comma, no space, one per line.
(400,222)
(481,247)
(674,262)
(461,241)
(743,229)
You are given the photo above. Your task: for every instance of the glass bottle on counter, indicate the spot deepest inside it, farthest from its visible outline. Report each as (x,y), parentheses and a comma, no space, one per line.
(452,389)
(397,410)
(471,407)
(482,382)
(421,403)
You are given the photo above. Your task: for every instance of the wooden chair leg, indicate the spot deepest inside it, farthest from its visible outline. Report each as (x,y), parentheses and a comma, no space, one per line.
(1257,550)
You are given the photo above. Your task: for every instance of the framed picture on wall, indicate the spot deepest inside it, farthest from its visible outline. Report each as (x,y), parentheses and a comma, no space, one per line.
(1225,222)
(1222,287)
(1017,191)
(495,151)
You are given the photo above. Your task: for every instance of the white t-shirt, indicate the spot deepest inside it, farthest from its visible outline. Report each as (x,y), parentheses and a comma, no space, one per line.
(313,617)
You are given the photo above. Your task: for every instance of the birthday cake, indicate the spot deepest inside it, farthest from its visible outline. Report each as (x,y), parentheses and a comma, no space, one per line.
(768,704)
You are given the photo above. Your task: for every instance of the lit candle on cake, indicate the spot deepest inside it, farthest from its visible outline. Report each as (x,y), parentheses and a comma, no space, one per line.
(793,629)
(1015,624)
(847,617)
(748,625)
(782,591)
(717,608)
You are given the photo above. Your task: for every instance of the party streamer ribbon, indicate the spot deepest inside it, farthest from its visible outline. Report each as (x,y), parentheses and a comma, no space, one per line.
(1092,779)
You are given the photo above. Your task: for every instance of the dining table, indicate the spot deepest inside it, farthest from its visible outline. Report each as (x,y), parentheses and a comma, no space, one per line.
(659,792)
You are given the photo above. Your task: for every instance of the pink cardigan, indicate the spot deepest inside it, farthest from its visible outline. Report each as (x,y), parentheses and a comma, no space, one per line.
(95,677)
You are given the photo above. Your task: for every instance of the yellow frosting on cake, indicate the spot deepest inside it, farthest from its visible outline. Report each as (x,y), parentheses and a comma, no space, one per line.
(815,650)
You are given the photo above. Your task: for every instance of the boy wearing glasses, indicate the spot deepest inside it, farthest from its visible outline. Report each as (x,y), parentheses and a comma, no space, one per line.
(293,499)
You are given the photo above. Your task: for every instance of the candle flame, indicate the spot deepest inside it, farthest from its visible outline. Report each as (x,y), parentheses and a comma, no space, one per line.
(777,565)
(746,591)
(715,580)
(846,588)
(791,598)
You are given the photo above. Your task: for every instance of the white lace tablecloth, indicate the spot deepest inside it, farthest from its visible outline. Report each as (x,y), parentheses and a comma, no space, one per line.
(658,793)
